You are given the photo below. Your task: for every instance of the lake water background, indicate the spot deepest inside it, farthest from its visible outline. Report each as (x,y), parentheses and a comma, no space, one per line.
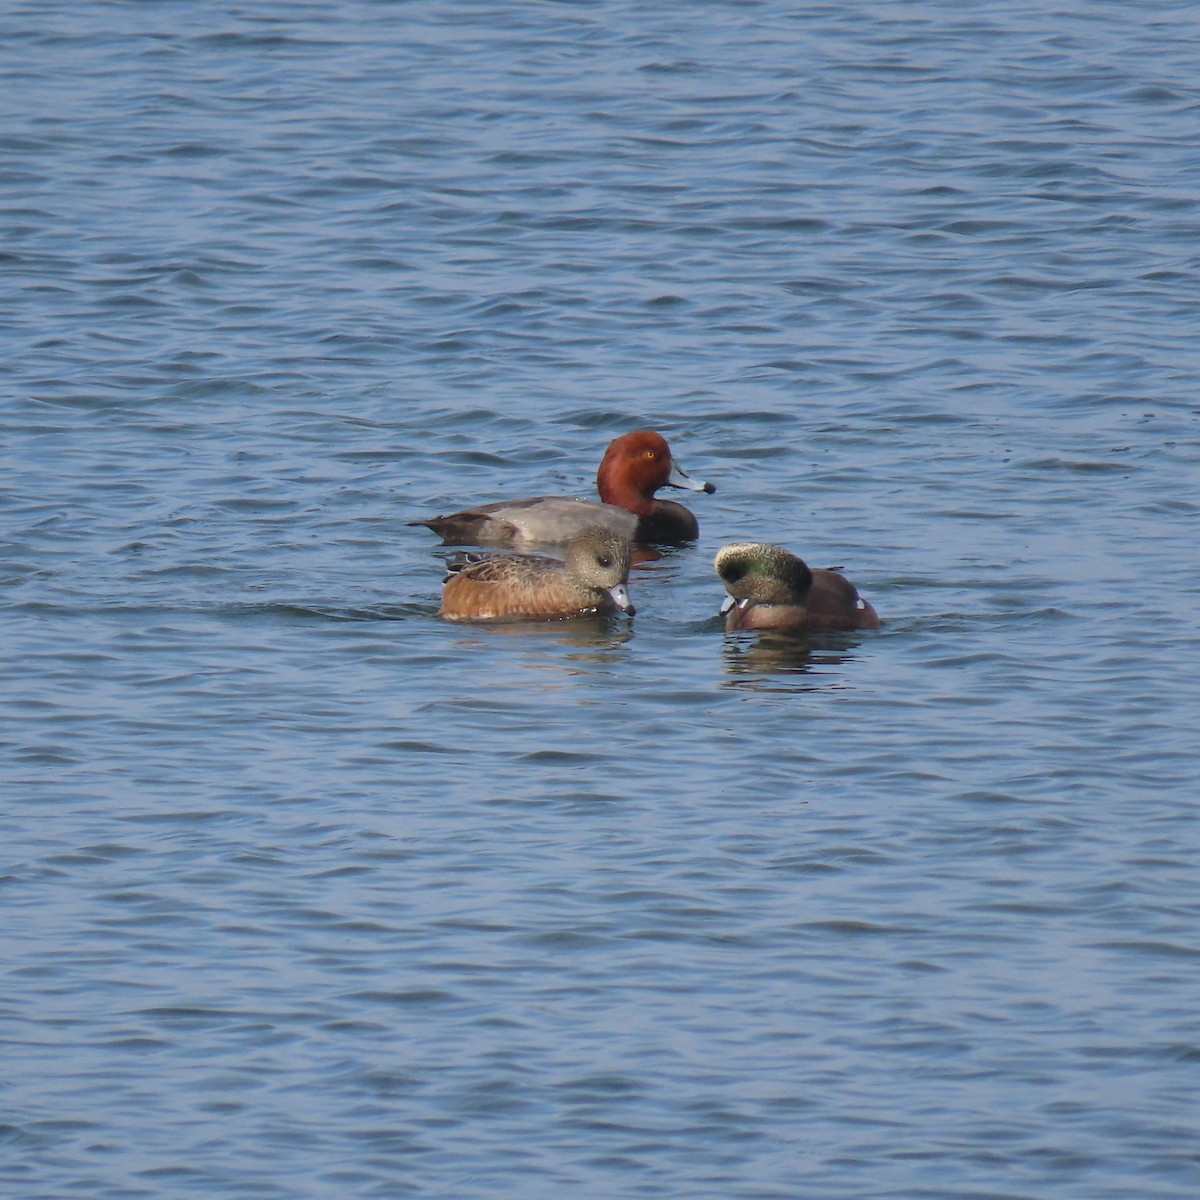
(307,893)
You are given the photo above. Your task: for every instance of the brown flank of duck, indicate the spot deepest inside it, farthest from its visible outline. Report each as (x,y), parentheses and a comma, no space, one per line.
(533,587)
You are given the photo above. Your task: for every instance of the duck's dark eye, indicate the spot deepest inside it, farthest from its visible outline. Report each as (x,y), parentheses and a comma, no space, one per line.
(733,572)
(605,560)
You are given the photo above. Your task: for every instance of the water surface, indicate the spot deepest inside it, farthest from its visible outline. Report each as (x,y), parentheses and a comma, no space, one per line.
(309,894)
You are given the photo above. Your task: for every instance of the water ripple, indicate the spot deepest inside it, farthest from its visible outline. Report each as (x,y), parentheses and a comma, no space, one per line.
(309,893)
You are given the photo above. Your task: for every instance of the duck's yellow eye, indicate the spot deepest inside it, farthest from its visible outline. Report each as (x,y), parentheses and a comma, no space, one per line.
(651,454)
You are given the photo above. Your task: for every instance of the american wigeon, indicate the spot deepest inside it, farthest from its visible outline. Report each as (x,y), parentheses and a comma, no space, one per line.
(634,467)
(484,586)
(770,588)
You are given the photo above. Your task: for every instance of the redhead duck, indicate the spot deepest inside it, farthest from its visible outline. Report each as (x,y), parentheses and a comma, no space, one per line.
(532,587)
(634,467)
(770,588)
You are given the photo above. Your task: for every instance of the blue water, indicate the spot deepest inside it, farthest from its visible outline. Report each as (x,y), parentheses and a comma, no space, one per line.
(307,893)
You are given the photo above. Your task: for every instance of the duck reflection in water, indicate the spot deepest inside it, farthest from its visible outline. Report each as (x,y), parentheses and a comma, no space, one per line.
(790,653)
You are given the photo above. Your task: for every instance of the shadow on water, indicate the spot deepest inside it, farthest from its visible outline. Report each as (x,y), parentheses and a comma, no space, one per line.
(291,611)
(806,661)
(592,638)
(584,633)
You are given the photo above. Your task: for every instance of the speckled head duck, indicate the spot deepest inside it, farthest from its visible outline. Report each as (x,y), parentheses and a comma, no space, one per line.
(592,581)
(634,467)
(771,588)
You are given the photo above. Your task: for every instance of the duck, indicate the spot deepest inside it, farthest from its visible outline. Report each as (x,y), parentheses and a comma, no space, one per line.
(771,588)
(633,468)
(494,586)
